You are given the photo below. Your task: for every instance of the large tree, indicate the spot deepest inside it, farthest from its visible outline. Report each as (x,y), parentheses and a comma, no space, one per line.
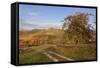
(76,28)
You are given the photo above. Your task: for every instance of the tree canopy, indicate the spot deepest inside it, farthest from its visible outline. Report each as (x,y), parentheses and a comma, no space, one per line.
(77,28)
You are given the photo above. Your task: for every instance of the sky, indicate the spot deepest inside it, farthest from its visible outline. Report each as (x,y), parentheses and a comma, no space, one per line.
(44,17)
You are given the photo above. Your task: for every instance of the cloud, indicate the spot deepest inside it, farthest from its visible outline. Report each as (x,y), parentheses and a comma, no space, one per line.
(24,24)
(33,13)
(30,24)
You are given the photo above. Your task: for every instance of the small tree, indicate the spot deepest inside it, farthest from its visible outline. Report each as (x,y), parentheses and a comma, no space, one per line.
(76,28)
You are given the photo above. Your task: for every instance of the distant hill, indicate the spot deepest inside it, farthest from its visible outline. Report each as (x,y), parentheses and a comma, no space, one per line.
(50,35)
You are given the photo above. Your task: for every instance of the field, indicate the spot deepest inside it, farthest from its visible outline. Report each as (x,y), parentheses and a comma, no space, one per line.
(41,46)
(56,34)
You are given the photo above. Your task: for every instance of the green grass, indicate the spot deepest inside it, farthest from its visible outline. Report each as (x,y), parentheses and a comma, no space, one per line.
(34,55)
(34,58)
(80,52)
(76,52)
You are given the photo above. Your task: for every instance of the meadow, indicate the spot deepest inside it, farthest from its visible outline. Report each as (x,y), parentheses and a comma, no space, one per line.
(43,46)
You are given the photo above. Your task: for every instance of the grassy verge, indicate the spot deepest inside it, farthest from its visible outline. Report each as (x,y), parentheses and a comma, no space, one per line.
(32,56)
(80,52)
